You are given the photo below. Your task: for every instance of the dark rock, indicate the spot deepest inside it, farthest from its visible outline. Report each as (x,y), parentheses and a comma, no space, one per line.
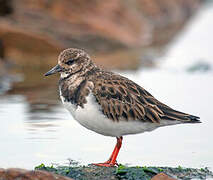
(127,173)
(76,172)
(2,51)
(5,7)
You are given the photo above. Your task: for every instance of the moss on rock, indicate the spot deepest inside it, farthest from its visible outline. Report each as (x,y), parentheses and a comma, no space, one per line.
(122,172)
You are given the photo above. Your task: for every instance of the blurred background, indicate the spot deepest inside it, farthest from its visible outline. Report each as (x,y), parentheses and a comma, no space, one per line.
(163,45)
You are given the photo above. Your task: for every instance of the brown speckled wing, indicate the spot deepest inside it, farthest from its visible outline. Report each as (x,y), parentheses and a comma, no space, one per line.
(121,98)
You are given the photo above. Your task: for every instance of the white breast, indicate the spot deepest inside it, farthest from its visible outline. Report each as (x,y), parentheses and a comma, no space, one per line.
(92,118)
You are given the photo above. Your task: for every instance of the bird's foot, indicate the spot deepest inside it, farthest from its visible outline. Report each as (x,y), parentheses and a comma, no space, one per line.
(106,164)
(112,160)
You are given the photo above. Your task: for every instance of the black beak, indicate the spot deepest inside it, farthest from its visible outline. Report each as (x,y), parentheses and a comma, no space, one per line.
(54,70)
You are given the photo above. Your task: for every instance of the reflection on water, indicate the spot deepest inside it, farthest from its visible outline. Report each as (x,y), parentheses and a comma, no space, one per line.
(35,128)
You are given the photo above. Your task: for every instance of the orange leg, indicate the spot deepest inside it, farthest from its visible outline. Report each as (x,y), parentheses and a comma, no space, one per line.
(112,160)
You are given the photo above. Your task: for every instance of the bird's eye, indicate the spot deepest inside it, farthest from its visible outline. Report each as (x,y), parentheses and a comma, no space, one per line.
(71,61)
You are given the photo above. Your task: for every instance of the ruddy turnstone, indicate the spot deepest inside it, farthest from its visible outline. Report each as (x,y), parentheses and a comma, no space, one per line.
(108,103)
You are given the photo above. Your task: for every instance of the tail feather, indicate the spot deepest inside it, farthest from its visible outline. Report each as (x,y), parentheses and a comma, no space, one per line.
(194,119)
(171,114)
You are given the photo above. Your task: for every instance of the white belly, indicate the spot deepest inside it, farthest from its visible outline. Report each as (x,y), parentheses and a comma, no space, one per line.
(92,118)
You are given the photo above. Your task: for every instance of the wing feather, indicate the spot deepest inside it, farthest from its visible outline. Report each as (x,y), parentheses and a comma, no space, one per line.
(121,98)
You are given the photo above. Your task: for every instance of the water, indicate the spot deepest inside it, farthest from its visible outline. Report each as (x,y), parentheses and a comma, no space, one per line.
(35,128)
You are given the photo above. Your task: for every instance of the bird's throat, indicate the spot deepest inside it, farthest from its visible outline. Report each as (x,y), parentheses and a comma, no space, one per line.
(64,75)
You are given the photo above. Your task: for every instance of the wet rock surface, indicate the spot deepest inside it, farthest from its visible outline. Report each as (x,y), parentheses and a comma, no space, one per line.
(128,173)
(34,32)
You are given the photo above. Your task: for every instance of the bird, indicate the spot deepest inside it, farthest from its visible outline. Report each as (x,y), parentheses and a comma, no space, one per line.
(108,103)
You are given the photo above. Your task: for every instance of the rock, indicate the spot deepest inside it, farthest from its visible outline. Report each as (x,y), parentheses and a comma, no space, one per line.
(34,32)
(77,172)
(126,173)
(22,174)
(2,51)
(5,7)
(162,176)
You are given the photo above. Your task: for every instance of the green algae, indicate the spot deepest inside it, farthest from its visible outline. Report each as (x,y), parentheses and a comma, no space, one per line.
(122,172)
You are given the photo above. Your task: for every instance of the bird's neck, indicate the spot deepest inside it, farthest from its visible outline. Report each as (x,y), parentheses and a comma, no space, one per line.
(73,82)
(72,89)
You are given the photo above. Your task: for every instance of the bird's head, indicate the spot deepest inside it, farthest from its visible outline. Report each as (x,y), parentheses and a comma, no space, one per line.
(70,61)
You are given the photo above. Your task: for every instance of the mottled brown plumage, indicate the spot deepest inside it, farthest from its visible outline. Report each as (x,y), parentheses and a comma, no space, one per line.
(108,103)
(119,97)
